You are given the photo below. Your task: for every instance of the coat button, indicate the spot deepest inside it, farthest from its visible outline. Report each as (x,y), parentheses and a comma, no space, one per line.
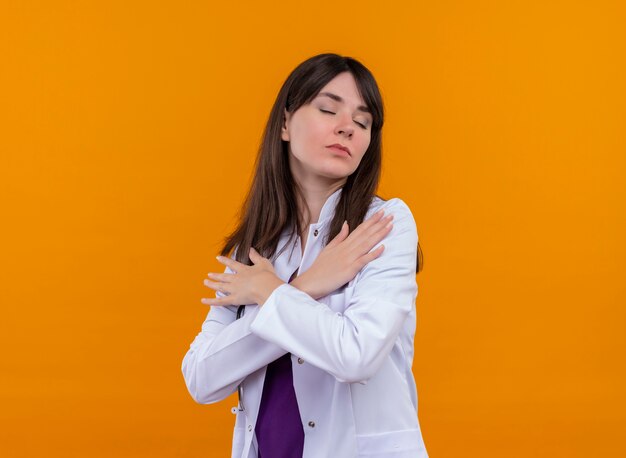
(311,424)
(300,361)
(249,427)
(315,232)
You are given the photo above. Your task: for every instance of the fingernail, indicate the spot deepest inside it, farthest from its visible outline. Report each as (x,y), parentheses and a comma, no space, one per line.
(219,258)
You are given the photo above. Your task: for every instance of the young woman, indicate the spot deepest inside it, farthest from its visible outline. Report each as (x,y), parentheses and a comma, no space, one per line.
(311,323)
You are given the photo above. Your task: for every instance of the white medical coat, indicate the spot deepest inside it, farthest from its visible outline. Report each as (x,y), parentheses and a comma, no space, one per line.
(352,350)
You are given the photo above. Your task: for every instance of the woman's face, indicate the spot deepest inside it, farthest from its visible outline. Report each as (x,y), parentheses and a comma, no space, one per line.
(336,116)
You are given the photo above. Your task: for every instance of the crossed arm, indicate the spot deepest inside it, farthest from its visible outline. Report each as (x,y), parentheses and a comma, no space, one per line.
(337,264)
(351,346)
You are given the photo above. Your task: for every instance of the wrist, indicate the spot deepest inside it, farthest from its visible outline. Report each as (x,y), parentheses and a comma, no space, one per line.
(301,283)
(269,286)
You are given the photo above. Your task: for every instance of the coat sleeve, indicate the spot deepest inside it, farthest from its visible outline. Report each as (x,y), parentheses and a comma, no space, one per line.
(351,346)
(224,353)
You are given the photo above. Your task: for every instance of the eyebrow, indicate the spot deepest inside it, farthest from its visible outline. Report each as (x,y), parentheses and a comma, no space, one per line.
(336,98)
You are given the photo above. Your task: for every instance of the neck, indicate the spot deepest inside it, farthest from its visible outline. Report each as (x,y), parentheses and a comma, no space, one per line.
(313,189)
(314,198)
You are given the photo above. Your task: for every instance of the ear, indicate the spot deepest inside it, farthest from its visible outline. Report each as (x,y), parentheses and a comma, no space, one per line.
(284,133)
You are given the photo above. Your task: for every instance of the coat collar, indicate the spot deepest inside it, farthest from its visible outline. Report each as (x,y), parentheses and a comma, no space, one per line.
(326,214)
(328,210)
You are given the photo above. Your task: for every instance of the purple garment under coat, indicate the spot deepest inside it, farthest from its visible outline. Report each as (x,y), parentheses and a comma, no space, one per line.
(279,429)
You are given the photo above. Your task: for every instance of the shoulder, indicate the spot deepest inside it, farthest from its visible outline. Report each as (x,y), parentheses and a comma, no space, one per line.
(394,204)
(398,259)
(402,214)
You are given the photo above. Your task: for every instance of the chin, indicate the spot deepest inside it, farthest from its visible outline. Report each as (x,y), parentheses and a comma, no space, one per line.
(336,174)
(336,170)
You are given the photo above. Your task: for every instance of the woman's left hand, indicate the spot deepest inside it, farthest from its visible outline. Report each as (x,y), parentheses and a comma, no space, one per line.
(248,285)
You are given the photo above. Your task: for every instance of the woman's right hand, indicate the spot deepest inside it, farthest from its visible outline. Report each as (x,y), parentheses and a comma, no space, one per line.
(344,256)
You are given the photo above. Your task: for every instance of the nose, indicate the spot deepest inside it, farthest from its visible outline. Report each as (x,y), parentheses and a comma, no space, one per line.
(344,125)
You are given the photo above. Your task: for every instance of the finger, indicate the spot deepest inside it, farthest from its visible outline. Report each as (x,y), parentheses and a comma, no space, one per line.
(381,225)
(234,265)
(376,215)
(364,238)
(372,219)
(364,243)
(257,258)
(341,235)
(381,222)
(218,301)
(254,256)
(369,222)
(374,253)
(369,257)
(224,278)
(217,286)
(368,241)
(381,232)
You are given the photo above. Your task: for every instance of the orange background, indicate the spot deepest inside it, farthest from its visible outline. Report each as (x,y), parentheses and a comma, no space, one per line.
(128,134)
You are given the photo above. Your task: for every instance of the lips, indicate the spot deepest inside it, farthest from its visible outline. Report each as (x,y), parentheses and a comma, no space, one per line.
(341,147)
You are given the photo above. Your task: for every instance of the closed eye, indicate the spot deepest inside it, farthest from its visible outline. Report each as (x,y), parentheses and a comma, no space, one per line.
(363,126)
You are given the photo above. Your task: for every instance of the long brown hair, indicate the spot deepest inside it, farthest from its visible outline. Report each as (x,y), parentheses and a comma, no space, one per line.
(271,203)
